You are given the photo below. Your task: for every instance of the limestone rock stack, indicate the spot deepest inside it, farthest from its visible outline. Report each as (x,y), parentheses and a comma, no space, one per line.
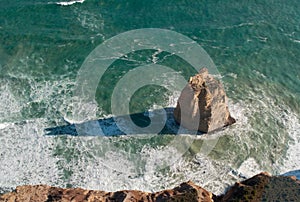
(202,104)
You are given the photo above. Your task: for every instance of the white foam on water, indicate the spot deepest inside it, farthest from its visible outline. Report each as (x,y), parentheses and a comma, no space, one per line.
(155,57)
(262,105)
(96,175)
(3,125)
(292,160)
(239,112)
(296,40)
(249,168)
(291,125)
(201,169)
(10,107)
(26,156)
(28,160)
(172,102)
(91,21)
(79,111)
(117,170)
(233,75)
(68,3)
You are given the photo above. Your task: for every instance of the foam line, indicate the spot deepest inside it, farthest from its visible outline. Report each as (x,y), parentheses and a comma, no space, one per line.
(68,3)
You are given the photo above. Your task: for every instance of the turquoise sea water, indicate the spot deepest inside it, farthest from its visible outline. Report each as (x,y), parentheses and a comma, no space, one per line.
(255,47)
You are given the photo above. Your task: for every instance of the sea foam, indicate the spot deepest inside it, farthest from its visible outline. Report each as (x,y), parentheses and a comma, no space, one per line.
(68,3)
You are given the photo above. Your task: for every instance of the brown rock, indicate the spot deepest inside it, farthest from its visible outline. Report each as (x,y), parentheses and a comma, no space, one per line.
(185,192)
(202,104)
(264,187)
(261,187)
(39,193)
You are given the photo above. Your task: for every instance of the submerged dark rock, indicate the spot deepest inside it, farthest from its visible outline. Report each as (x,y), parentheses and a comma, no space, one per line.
(202,104)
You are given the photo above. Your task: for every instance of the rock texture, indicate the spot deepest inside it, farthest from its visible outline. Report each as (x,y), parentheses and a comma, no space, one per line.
(43,193)
(264,187)
(202,104)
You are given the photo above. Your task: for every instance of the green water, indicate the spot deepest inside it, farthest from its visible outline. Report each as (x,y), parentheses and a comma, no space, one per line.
(254,45)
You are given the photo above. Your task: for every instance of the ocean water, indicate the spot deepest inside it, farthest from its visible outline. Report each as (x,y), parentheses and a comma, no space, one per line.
(43,45)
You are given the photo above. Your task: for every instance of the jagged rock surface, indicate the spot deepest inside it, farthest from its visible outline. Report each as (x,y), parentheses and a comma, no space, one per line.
(202,104)
(43,193)
(264,187)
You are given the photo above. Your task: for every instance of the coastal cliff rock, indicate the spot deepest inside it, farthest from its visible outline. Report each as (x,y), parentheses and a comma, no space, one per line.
(202,104)
(261,187)
(264,187)
(42,193)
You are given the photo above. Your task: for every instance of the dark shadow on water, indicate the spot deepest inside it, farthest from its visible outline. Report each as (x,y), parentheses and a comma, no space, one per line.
(120,125)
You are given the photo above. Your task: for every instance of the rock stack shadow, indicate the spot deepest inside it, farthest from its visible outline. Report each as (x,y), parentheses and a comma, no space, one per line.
(201,108)
(109,126)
